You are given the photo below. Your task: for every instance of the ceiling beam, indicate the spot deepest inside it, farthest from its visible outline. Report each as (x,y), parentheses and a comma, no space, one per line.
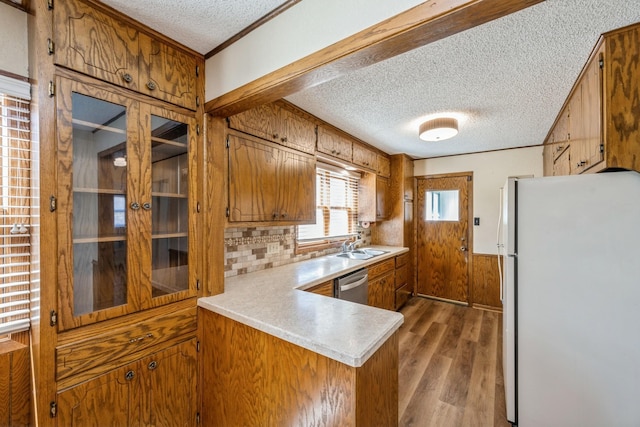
(423,24)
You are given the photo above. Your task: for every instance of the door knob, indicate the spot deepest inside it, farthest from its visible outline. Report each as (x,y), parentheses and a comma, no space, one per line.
(463,248)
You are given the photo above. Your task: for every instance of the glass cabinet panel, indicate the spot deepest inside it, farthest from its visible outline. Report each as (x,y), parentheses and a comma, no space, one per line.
(99,219)
(170,214)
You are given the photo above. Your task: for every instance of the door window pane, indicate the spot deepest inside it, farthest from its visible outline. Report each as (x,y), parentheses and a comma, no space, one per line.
(442,205)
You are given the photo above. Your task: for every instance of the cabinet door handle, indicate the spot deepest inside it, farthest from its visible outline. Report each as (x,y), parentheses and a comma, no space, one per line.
(275,136)
(127,77)
(129,375)
(152,365)
(151,85)
(284,139)
(581,163)
(146,206)
(135,206)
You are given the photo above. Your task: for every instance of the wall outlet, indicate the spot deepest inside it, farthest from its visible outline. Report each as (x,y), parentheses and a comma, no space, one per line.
(273,248)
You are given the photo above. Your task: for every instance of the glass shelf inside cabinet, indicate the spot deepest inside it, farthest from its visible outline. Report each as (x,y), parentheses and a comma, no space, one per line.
(99,199)
(170,219)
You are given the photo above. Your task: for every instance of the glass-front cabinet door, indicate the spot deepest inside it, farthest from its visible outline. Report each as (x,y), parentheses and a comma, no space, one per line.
(172,199)
(123,205)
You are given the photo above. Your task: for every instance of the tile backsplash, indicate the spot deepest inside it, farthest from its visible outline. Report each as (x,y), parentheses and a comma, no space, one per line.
(245,249)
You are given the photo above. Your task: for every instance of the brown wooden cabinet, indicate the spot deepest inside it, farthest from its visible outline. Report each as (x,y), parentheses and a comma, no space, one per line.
(275,122)
(127,241)
(403,286)
(334,144)
(373,198)
(382,284)
(268,183)
(158,389)
(384,166)
(100,44)
(603,135)
(364,157)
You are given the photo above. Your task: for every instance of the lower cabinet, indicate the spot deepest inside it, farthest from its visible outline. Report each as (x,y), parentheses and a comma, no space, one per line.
(157,390)
(325,289)
(382,284)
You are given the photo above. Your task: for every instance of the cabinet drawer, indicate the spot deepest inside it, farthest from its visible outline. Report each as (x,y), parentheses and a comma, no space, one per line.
(402,259)
(401,275)
(98,350)
(382,267)
(402,296)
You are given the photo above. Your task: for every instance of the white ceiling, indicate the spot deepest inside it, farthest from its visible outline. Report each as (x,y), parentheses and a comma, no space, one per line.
(506,79)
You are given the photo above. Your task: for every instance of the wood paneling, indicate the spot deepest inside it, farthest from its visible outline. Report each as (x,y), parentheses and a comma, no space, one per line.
(416,27)
(252,378)
(15,384)
(486,281)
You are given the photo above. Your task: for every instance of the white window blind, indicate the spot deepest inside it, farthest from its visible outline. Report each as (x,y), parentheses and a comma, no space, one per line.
(16,269)
(336,205)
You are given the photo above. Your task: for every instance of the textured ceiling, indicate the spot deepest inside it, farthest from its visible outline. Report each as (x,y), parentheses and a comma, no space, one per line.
(506,79)
(199,24)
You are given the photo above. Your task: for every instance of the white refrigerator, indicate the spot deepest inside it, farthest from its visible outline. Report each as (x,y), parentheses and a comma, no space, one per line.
(571,300)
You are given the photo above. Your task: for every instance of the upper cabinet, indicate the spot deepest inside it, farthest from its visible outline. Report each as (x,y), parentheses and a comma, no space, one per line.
(276,123)
(384,166)
(269,183)
(597,129)
(126,238)
(365,157)
(100,45)
(332,143)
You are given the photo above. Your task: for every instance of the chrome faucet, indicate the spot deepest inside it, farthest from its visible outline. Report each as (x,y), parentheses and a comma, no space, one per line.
(345,246)
(354,245)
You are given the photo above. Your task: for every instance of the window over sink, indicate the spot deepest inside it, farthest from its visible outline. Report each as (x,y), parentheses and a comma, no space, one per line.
(336,209)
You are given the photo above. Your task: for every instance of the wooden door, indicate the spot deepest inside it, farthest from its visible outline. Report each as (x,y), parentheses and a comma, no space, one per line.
(170,395)
(444,236)
(295,182)
(108,400)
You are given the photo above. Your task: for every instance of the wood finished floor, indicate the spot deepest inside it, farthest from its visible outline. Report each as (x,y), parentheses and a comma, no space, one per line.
(450,371)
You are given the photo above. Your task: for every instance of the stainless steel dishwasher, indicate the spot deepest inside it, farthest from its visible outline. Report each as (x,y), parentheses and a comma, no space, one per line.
(353,286)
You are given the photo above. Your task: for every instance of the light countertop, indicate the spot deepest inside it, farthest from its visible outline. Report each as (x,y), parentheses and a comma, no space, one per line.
(273,301)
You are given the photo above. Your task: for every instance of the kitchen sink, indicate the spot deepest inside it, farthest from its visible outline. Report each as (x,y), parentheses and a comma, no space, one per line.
(365,253)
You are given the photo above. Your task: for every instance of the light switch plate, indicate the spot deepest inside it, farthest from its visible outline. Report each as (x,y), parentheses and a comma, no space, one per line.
(273,248)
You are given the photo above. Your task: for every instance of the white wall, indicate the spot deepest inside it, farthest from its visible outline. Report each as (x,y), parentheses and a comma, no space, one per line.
(490,171)
(305,28)
(13,41)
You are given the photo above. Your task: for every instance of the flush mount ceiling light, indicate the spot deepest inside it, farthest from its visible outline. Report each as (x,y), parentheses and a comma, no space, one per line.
(439,129)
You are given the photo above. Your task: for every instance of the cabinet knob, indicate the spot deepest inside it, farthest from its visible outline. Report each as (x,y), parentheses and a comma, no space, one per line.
(275,215)
(275,136)
(463,248)
(581,163)
(135,206)
(284,215)
(129,375)
(152,365)
(151,85)
(333,151)
(146,206)
(127,77)
(284,139)
(337,153)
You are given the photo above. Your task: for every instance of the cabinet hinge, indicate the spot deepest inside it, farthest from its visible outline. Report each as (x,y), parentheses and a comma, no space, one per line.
(53,409)
(198,346)
(52,203)
(601,148)
(601,63)
(198,207)
(198,129)
(50,4)
(197,71)
(227,141)
(469,178)
(228,212)
(53,318)
(50,47)
(197,101)
(198,284)
(197,417)
(52,89)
